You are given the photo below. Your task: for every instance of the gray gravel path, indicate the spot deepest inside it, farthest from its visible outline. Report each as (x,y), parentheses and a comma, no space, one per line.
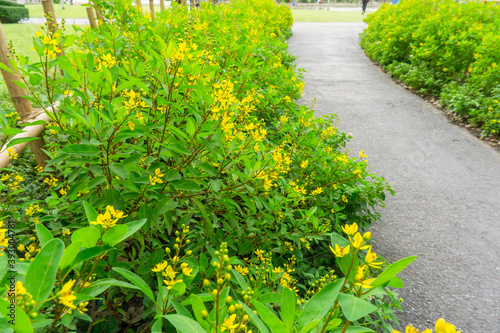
(447,205)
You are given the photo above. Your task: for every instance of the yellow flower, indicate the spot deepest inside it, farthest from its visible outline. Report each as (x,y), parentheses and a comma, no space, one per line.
(12,154)
(370,259)
(304,164)
(131,125)
(65,295)
(278,270)
(358,241)
(340,251)
(66,232)
(350,229)
(362,154)
(82,307)
(170,274)
(160,267)
(105,220)
(186,270)
(443,327)
(242,270)
(229,324)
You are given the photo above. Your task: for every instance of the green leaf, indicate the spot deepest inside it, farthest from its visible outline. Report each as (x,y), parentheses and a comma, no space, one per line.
(338,239)
(89,254)
(309,326)
(90,212)
(209,228)
(181,310)
(255,319)
(353,329)
(355,308)
(136,280)
(180,149)
(119,170)
(392,270)
(41,273)
(132,228)
(178,289)
(241,280)
(164,206)
(22,323)
(319,305)
(16,141)
(198,306)
(395,282)
(3,268)
(270,298)
(88,236)
(157,326)
(185,185)
(44,235)
(114,234)
(70,254)
(184,324)
(81,150)
(288,307)
(113,282)
(269,318)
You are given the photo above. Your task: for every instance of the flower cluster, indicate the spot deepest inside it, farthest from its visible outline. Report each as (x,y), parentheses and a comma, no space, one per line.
(109,218)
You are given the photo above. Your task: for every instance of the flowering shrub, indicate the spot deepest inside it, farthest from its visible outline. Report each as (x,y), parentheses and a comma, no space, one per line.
(175,137)
(446,49)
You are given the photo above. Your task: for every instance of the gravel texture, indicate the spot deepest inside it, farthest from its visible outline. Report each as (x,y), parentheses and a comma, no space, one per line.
(447,204)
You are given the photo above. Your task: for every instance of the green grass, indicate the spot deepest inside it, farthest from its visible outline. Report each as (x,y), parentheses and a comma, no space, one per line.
(305,15)
(76,11)
(69,12)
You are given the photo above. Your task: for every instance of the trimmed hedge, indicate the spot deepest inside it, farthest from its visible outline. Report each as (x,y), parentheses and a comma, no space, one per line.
(10,4)
(12,12)
(13,15)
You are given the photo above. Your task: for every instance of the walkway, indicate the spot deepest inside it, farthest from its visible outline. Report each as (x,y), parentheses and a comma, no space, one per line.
(447,182)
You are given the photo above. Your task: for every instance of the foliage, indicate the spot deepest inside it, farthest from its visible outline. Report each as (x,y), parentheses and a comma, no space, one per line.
(172,137)
(8,3)
(445,48)
(10,14)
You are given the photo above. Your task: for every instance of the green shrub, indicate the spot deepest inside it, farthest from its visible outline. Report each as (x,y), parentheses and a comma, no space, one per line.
(10,4)
(11,14)
(177,151)
(444,48)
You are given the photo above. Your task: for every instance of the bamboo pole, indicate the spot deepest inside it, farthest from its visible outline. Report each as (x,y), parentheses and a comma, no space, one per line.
(162,4)
(152,9)
(98,13)
(22,105)
(31,131)
(92,17)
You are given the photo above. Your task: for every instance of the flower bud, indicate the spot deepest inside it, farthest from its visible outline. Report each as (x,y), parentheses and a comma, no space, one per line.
(245,317)
(204,314)
(167,250)
(231,309)
(220,282)
(227,278)
(206,283)
(214,293)
(229,299)
(188,253)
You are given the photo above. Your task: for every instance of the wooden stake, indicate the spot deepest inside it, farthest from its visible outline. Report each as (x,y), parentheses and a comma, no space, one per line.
(22,105)
(48,9)
(92,18)
(31,131)
(162,4)
(152,9)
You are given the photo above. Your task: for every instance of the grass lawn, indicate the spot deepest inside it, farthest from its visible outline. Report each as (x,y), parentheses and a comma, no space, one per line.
(305,15)
(76,11)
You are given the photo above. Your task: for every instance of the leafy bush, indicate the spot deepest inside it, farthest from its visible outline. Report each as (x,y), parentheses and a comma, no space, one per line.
(172,138)
(10,3)
(446,49)
(13,14)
